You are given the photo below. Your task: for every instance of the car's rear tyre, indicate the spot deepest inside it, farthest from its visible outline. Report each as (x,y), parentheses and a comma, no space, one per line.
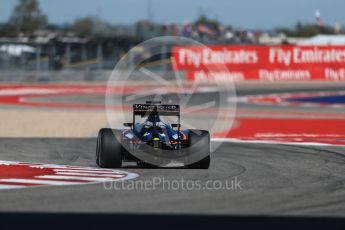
(109,148)
(199,143)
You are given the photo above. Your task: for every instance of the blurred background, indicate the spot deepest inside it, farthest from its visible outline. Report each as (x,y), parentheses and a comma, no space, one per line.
(78,43)
(93,35)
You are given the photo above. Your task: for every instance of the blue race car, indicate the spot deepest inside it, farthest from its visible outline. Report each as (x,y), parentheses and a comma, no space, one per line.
(153,141)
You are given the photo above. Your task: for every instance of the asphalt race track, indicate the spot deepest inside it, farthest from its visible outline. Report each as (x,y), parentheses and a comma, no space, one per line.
(272,179)
(276,179)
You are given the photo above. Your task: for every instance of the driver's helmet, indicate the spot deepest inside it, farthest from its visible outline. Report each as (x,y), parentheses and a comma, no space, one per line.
(154,118)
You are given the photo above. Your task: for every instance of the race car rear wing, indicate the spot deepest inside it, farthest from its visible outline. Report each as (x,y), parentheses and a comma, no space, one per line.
(155,107)
(165,110)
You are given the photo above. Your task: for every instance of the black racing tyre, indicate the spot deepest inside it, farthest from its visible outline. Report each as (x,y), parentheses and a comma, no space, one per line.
(109,148)
(199,142)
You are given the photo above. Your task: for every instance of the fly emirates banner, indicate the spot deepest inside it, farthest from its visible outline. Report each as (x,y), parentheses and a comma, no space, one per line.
(267,63)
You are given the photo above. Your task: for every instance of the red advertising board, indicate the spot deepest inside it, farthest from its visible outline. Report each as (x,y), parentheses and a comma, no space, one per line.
(327,74)
(269,57)
(254,62)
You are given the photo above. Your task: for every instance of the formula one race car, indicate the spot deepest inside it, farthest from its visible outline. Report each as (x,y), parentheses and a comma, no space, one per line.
(153,142)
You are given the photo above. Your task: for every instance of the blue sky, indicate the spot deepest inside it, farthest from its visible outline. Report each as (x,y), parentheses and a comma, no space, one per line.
(261,14)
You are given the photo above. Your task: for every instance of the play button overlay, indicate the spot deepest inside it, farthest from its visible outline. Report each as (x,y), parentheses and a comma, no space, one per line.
(15,175)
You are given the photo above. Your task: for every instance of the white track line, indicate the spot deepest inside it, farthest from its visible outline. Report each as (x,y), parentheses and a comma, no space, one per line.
(89,174)
(67,168)
(87,171)
(4,186)
(75,178)
(39,182)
